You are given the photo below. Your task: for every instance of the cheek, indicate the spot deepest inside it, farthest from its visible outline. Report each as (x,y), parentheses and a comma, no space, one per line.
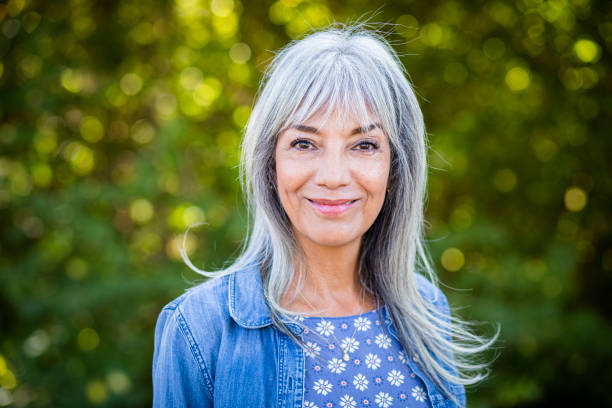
(290,176)
(375,179)
(286,177)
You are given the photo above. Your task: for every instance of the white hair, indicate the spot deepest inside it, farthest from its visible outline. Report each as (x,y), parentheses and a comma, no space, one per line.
(351,70)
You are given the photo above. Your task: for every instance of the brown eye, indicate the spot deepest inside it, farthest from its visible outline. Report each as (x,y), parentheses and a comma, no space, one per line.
(302,144)
(367,146)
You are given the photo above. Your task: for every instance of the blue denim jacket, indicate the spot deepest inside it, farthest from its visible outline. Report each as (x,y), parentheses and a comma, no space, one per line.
(216,346)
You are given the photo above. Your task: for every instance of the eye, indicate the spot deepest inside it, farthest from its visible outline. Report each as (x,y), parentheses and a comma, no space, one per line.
(366,146)
(302,144)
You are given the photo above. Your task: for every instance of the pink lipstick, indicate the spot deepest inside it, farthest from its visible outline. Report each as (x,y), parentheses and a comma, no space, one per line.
(332,207)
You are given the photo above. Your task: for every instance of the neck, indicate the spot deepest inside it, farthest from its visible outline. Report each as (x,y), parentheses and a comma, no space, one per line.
(331,284)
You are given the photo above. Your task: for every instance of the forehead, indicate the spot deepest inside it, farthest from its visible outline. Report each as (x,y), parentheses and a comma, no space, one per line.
(338,121)
(353,120)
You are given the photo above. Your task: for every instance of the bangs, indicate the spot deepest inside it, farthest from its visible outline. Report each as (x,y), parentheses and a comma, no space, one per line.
(340,85)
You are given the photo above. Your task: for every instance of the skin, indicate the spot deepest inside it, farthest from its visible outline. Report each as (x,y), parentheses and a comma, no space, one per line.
(331,161)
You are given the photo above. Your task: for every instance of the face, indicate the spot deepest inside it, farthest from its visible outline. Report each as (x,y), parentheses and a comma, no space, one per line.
(332,178)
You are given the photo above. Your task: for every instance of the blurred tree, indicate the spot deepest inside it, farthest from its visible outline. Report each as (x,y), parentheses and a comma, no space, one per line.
(120,124)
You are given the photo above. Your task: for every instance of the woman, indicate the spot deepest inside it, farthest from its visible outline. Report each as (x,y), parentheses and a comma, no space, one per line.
(326,305)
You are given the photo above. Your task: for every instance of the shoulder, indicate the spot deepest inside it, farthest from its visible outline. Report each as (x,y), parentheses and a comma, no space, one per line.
(187,335)
(211,292)
(200,313)
(188,332)
(432,293)
(202,309)
(434,296)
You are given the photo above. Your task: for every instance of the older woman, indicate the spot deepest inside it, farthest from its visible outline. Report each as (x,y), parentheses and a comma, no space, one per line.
(327,305)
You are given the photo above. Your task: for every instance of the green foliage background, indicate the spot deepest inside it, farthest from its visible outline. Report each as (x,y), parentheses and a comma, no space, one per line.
(120,123)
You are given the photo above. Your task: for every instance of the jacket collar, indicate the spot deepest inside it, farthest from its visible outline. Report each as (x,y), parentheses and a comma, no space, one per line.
(247,304)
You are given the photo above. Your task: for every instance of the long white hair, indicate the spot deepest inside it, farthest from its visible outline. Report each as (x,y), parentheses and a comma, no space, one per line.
(352,70)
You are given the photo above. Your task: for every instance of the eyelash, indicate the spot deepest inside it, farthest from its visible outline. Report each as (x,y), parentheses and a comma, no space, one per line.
(364,142)
(299,141)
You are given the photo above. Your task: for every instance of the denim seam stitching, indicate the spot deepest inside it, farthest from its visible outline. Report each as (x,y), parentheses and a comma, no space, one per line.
(195,351)
(281,370)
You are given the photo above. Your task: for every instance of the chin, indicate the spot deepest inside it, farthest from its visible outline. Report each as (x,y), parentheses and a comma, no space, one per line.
(332,238)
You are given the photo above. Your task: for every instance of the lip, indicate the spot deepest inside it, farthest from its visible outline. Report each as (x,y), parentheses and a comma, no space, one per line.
(332,207)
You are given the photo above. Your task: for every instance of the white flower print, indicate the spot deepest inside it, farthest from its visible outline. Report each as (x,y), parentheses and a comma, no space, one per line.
(325,328)
(336,366)
(403,357)
(395,378)
(383,341)
(347,402)
(350,344)
(372,361)
(362,323)
(419,394)
(383,399)
(322,387)
(360,382)
(308,404)
(312,349)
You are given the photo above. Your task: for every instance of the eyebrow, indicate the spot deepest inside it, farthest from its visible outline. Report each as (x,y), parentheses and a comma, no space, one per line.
(363,129)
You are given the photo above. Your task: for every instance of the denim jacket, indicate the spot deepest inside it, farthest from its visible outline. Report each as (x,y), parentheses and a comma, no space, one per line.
(216,346)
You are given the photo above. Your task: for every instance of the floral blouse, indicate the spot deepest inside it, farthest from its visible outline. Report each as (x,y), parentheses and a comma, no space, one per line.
(376,373)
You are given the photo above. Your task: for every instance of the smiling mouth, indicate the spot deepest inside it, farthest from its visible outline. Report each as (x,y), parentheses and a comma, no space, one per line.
(332,207)
(330,202)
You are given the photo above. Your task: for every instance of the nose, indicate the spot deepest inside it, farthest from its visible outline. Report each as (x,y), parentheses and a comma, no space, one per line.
(333,169)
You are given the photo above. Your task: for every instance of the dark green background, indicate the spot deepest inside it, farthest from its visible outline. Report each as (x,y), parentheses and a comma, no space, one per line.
(120,124)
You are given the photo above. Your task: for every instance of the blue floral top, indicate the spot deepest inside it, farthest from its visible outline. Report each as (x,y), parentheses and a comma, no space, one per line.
(376,373)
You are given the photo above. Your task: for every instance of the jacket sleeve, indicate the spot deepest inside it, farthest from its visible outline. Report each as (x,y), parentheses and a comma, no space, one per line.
(441,304)
(180,377)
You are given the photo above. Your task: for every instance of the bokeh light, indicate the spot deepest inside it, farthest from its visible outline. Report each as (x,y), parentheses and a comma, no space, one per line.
(452,259)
